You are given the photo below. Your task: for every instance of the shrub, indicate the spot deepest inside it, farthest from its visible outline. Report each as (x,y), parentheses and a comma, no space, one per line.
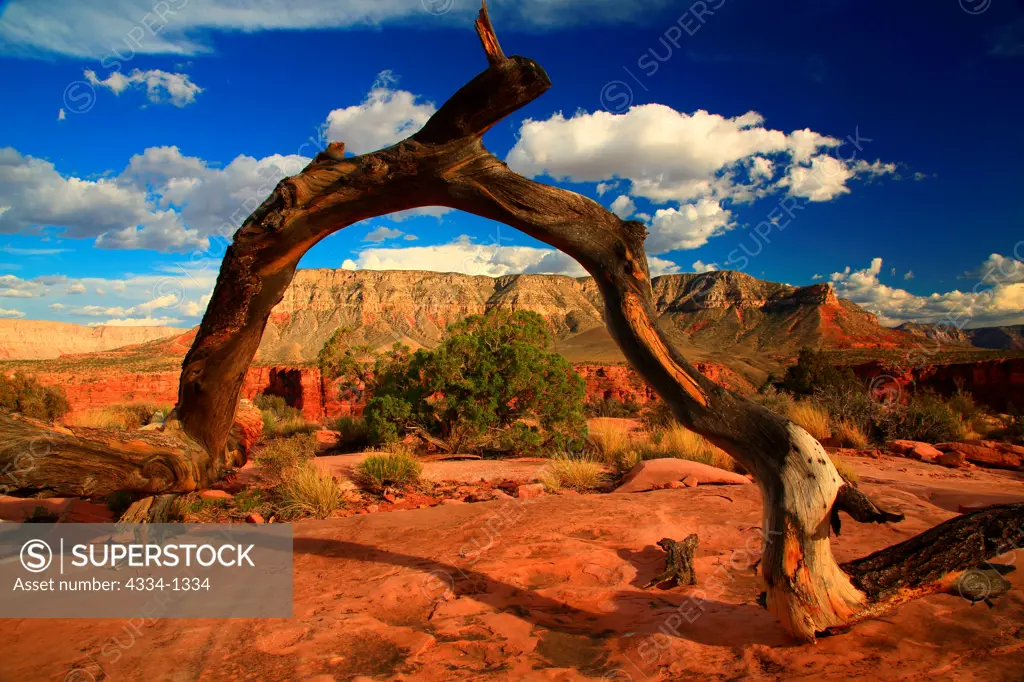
(850,435)
(25,395)
(279,457)
(289,427)
(611,407)
(394,469)
(488,375)
(855,406)
(308,491)
(276,405)
(250,500)
(814,371)
(657,415)
(813,418)
(386,418)
(280,420)
(353,433)
(576,474)
(925,417)
(1012,429)
(971,415)
(773,399)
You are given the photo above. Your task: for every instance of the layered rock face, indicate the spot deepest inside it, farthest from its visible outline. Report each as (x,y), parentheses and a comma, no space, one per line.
(321,401)
(994,338)
(999,384)
(39,340)
(714,310)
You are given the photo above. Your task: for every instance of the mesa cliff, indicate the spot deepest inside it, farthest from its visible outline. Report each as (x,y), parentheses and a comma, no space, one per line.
(715,311)
(40,340)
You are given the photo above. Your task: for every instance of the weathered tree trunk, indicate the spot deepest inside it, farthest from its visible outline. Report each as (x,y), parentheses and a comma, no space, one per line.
(446,164)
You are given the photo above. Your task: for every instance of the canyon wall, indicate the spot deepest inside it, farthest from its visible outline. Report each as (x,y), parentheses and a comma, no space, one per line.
(320,401)
(714,310)
(998,384)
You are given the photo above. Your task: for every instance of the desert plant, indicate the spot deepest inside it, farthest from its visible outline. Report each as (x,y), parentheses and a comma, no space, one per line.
(289,427)
(855,406)
(353,433)
(812,417)
(250,500)
(657,415)
(850,435)
(611,407)
(279,457)
(814,371)
(576,474)
(24,394)
(126,416)
(776,400)
(276,405)
(609,439)
(489,374)
(1012,429)
(393,469)
(308,491)
(925,417)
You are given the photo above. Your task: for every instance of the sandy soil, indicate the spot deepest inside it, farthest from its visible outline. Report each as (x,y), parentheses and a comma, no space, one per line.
(550,589)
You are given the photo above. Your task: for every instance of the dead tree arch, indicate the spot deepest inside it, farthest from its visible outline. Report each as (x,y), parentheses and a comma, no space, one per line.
(446,164)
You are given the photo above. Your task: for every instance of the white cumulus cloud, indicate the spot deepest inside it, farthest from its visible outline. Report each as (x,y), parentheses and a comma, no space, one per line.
(160,86)
(996,297)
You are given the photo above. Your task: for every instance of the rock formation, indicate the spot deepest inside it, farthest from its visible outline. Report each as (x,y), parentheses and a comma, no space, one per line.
(39,340)
(714,310)
(995,338)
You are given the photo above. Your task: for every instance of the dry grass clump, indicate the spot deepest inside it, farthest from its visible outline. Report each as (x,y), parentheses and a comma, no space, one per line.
(279,458)
(850,435)
(308,491)
(124,416)
(392,469)
(580,475)
(812,417)
(685,444)
(609,439)
(614,445)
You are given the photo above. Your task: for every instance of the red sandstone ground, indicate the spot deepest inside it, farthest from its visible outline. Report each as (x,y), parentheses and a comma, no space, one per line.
(551,592)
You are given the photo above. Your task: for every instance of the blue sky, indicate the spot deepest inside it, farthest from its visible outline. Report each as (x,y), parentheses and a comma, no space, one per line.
(870,145)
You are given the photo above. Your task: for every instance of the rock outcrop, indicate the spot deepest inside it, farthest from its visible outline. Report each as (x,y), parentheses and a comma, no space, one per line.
(659,473)
(714,310)
(995,338)
(999,384)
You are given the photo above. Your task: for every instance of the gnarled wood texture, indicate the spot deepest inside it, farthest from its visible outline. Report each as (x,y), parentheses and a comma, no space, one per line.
(446,164)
